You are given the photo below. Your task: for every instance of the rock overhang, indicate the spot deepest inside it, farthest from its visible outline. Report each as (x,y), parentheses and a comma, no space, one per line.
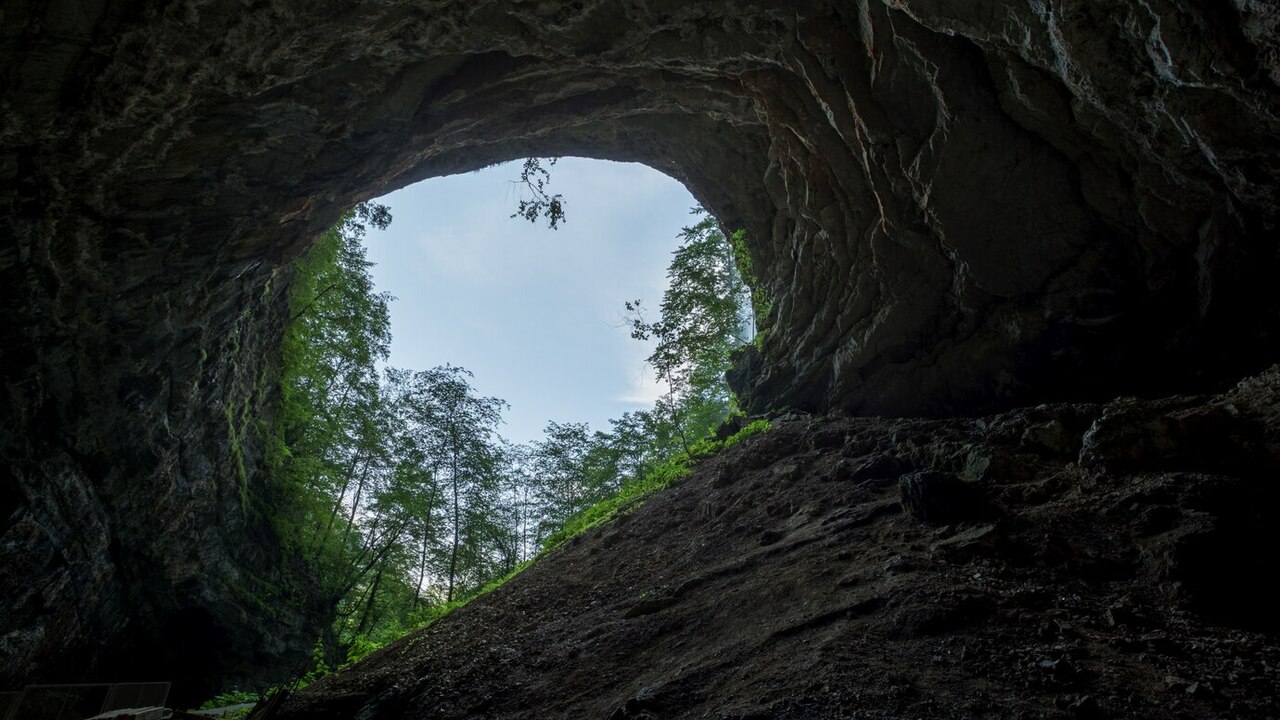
(954,207)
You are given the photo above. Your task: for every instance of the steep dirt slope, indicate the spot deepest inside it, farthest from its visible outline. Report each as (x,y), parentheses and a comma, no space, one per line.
(1083,561)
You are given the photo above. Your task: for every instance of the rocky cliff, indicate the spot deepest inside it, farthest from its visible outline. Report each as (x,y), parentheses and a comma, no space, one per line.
(955,206)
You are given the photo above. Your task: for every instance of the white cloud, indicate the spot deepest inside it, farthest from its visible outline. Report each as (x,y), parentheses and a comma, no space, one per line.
(644,391)
(536,314)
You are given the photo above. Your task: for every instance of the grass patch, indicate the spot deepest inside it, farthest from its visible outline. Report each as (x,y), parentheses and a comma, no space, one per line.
(436,612)
(664,475)
(234,697)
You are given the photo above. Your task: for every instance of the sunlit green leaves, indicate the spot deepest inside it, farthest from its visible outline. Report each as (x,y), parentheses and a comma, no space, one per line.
(705,315)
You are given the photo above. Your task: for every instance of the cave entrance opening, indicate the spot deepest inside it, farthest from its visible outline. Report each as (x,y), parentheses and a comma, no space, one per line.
(536,314)
(463,389)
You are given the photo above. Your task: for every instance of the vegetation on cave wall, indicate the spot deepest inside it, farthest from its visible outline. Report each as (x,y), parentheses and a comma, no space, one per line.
(402,497)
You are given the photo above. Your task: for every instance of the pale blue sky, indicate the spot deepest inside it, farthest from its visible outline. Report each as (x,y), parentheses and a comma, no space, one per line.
(535,314)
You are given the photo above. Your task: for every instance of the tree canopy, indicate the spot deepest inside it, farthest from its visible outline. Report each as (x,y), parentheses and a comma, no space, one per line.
(705,315)
(399,490)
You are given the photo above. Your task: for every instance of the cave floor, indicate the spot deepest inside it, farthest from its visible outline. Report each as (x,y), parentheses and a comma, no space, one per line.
(1066,561)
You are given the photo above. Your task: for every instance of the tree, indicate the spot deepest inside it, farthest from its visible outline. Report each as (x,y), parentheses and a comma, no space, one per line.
(639,440)
(402,494)
(705,315)
(572,469)
(415,486)
(539,202)
(330,426)
(337,430)
(459,442)
(523,506)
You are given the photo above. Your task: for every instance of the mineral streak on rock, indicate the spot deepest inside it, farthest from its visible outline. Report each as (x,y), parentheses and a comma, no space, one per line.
(955,207)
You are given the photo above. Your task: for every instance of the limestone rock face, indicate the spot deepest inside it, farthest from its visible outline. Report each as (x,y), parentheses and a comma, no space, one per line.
(955,206)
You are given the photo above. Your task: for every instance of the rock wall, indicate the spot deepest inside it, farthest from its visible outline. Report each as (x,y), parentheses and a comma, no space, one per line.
(955,206)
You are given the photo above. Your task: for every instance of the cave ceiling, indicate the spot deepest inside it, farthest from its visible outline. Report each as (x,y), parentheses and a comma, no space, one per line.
(954,206)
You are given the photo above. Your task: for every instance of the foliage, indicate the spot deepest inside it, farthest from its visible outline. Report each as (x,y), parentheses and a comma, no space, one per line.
(574,469)
(540,202)
(758,340)
(754,427)
(336,429)
(454,436)
(393,483)
(396,487)
(704,317)
(238,714)
(232,697)
(662,475)
(761,304)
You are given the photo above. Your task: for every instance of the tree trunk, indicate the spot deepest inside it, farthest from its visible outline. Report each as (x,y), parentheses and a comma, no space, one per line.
(363,625)
(453,553)
(457,518)
(426,542)
(355,506)
(337,505)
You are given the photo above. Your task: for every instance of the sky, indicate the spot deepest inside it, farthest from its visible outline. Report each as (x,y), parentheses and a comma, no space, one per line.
(535,314)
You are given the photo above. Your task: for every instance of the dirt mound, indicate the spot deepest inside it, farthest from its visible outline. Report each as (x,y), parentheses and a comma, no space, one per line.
(1081,561)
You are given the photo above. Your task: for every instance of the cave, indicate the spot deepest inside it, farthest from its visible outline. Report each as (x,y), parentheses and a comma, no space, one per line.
(956,208)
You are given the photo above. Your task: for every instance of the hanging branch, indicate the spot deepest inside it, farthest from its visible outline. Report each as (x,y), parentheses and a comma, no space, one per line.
(535,178)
